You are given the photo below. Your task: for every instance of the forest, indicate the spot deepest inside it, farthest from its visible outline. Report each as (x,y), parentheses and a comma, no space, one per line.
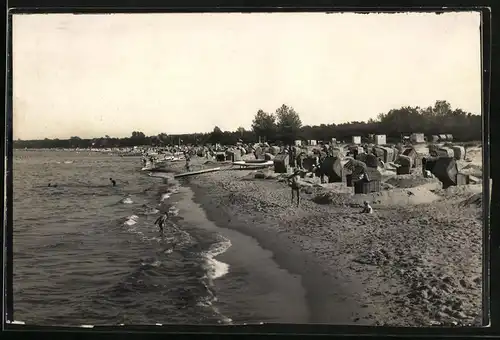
(285,125)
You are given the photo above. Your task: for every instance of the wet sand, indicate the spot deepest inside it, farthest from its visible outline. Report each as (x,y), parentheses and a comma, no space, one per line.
(277,296)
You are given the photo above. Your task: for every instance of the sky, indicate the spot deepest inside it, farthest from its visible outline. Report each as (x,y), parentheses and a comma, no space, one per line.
(96,75)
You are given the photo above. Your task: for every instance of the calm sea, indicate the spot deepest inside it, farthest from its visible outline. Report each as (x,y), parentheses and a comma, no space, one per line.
(86,252)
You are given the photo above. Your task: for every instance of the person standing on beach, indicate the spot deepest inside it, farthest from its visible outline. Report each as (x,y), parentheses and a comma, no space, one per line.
(160,221)
(300,160)
(113,182)
(294,183)
(188,161)
(293,156)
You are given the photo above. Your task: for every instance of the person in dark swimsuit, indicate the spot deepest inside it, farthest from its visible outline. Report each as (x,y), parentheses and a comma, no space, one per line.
(160,221)
(188,161)
(113,182)
(294,183)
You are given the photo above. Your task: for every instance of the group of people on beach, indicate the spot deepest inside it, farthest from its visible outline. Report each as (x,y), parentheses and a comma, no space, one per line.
(293,181)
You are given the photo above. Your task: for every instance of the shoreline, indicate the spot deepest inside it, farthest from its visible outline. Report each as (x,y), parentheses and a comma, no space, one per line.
(330,299)
(245,255)
(397,267)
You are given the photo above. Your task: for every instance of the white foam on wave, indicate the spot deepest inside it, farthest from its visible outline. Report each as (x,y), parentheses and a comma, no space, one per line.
(173,211)
(215,268)
(152,211)
(169,238)
(127,200)
(155,264)
(177,236)
(134,230)
(174,190)
(150,239)
(169,193)
(204,303)
(68,162)
(225,320)
(207,302)
(130,222)
(184,238)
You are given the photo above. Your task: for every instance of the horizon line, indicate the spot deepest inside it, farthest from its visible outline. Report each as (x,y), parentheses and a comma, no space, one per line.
(231,131)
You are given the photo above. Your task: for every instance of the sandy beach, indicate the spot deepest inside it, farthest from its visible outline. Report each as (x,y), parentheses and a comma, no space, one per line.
(415,262)
(117,215)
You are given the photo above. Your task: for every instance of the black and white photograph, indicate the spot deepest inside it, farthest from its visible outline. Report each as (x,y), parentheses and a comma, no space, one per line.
(248,168)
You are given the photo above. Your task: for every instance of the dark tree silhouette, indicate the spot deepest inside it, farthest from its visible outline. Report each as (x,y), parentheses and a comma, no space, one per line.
(286,125)
(264,125)
(216,135)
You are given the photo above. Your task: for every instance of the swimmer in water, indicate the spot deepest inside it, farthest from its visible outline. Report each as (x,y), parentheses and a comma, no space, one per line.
(52,186)
(160,221)
(113,182)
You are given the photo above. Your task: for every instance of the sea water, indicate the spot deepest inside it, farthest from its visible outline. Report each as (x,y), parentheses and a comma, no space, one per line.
(86,252)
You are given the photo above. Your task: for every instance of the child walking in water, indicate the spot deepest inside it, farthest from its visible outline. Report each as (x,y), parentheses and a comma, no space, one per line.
(160,221)
(294,183)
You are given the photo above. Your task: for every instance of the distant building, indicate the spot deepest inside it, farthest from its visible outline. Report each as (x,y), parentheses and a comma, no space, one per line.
(298,142)
(334,141)
(313,142)
(380,139)
(356,139)
(442,138)
(449,137)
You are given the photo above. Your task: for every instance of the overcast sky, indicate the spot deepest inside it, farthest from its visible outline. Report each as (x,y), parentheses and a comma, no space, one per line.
(96,75)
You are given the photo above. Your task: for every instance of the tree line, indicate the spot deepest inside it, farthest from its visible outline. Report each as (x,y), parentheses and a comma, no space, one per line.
(284,125)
